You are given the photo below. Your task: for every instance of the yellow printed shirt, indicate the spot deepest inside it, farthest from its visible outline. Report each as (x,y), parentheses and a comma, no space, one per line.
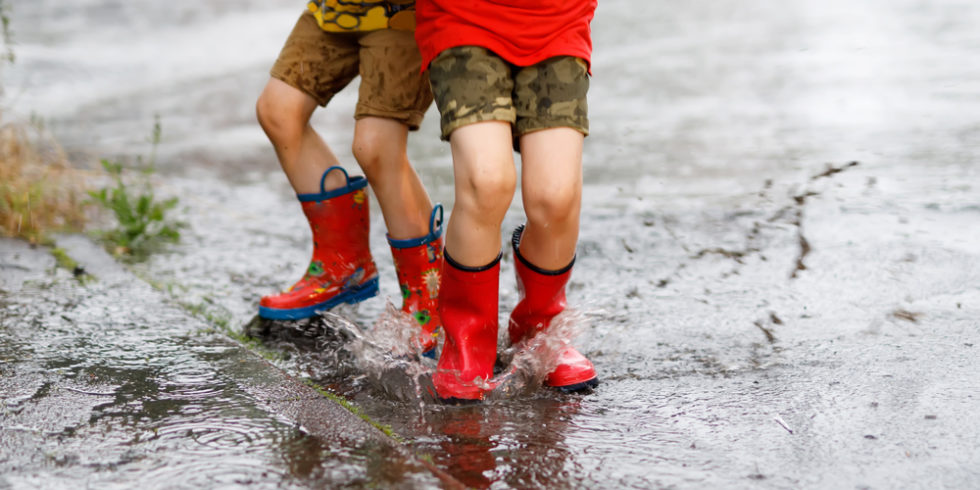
(352,15)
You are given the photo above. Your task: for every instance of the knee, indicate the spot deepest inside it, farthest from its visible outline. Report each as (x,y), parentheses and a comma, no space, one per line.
(553,207)
(488,196)
(280,122)
(370,153)
(379,146)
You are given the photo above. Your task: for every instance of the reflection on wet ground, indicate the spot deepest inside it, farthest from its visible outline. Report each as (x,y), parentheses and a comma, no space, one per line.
(515,438)
(96,390)
(777,278)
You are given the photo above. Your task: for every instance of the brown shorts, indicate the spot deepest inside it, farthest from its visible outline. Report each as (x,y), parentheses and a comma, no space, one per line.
(322,63)
(472,84)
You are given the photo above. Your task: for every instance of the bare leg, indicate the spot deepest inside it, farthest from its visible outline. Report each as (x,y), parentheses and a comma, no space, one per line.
(380,149)
(552,189)
(284,114)
(485,178)
(551,184)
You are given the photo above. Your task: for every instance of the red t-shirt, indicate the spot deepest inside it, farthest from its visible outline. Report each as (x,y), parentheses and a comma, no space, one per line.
(523,32)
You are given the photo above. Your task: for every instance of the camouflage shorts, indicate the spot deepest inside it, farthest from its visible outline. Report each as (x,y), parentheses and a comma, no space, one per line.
(472,84)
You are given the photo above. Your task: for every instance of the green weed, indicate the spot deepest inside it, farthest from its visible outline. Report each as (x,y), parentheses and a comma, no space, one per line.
(64,261)
(143,224)
(253,344)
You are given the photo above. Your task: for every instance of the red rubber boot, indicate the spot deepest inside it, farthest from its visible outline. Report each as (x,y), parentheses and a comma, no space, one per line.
(341,270)
(542,297)
(468,307)
(417,264)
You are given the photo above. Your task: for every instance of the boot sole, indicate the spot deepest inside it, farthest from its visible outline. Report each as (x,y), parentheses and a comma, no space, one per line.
(461,395)
(577,387)
(573,388)
(460,401)
(352,296)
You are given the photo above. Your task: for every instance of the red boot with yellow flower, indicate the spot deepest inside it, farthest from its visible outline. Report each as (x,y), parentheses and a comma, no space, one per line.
(417,264)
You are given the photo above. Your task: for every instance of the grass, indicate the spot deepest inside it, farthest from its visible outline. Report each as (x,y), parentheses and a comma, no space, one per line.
(64,261)
(386,429)
(40,192)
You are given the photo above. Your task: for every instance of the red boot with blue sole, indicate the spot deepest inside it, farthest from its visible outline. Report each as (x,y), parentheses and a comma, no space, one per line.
(341,269)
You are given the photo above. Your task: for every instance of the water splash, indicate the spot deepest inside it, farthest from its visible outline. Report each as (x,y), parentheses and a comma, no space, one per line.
(528,363)
(386,360)
(389,357)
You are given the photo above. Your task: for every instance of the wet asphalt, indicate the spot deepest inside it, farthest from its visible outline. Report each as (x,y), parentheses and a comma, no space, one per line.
(778,274)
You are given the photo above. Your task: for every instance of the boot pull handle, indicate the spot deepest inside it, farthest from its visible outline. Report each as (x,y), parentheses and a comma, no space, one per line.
(435,220)
(323,179)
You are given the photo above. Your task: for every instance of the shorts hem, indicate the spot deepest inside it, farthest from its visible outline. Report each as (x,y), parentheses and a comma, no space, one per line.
(411,118)
(448,128)
(523,129)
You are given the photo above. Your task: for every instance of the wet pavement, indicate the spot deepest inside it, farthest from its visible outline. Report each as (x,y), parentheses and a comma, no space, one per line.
(101,392)
(778,275)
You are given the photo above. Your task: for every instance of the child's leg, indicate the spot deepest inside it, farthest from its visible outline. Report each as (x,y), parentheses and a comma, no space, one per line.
(473,87)
(284,114)
(544,249)
(413,233)
(551,184)
(393,97)
(553,119)
(312,66)
(380,149)
(483,166)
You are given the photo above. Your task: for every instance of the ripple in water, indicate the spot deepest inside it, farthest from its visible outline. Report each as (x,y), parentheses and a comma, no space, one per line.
(213,434)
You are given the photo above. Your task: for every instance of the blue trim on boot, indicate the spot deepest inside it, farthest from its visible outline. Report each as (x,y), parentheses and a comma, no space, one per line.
(352,296)
(435,231)
(352,184)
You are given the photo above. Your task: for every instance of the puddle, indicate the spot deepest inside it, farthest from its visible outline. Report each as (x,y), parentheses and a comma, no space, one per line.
(141,394)
(747,292)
